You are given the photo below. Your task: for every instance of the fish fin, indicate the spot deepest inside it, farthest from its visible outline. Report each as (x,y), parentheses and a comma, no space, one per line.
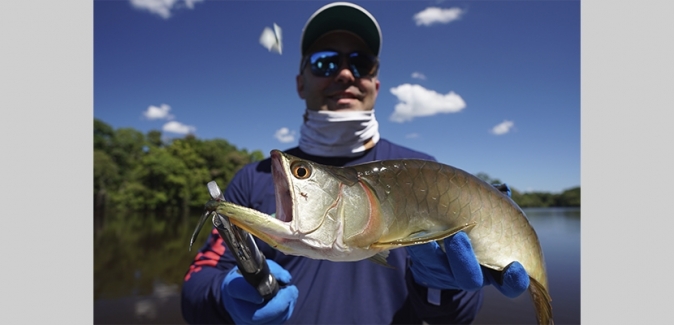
(541,298)
(441,243)
(423,237)
(380,258)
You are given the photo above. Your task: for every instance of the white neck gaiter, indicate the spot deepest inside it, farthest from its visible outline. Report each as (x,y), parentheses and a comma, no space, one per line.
(337,134)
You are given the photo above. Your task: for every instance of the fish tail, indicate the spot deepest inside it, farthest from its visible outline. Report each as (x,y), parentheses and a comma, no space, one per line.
(541,298)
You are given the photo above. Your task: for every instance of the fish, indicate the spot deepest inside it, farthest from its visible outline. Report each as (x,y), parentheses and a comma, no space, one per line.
(359,212)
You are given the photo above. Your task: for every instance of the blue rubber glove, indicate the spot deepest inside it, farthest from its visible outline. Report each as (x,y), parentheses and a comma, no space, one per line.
(245,304)
(458,268)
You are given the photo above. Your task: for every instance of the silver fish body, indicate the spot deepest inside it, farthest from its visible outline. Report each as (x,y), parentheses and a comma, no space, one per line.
(359,212)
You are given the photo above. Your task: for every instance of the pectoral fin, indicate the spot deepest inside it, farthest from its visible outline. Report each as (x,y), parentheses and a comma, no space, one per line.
(380,258)
(423,237)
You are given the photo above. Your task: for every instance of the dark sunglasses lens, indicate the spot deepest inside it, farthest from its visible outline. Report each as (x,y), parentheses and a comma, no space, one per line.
(324,63)
(361,64)
(327,64)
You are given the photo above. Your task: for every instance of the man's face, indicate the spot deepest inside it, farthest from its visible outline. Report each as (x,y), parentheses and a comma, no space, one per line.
(342,91)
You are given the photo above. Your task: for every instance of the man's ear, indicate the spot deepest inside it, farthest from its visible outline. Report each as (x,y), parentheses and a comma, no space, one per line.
(299,81)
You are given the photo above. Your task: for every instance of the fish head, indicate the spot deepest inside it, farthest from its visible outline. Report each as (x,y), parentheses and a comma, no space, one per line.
(306,194)
(322,212)
(331,203)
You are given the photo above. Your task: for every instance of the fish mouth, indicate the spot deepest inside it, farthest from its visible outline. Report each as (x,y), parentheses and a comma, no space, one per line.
(284,197)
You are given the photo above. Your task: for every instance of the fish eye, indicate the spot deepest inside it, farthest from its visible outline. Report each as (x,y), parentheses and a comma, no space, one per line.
(301,170)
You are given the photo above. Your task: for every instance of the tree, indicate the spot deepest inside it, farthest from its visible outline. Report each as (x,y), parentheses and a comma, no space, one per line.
(193,177)
(487,179)
(154,139)
(103,134)
(106,179)
(126,148)
(569,198)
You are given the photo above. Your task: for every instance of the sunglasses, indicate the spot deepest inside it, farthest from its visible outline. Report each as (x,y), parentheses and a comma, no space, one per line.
(328,63)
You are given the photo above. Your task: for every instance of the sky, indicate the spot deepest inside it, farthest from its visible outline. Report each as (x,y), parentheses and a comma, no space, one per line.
(484,86)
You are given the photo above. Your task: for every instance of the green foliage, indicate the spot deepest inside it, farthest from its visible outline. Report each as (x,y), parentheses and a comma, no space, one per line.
(486,178)
(568,198)
(256,155)
(154,139)
(134,172)
(106,171)
(103,134)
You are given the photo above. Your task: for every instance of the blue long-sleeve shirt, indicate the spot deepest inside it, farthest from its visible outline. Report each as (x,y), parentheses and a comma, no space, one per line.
(360,292)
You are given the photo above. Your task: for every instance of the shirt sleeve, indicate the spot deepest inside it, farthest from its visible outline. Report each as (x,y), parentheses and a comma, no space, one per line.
(201,299)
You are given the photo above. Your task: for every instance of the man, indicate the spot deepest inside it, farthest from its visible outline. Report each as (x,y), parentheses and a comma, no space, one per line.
(338,81)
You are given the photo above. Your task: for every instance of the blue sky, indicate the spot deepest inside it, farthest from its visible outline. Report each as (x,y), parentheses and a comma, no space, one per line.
(495,84)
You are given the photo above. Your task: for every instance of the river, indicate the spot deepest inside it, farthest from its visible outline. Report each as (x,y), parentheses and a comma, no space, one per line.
(138,271)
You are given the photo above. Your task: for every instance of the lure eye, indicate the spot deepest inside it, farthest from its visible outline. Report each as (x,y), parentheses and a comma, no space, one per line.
(301,171)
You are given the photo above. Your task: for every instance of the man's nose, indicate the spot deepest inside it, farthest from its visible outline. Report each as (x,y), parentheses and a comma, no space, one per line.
(344,74)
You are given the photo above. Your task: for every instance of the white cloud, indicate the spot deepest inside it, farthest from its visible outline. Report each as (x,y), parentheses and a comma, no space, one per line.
(502,128)
(157,113)
(177,127)
(284,135)
(163,7)
(162,113)
(190,3)
(418,101)
(418,75)
(435,15)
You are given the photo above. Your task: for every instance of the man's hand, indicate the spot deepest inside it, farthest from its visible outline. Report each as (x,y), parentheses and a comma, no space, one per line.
(458,268)
(245,304)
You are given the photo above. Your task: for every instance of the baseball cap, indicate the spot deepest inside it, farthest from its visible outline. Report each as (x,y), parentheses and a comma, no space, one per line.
(342,16)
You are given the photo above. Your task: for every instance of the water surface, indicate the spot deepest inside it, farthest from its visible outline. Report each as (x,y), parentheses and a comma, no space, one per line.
(139,267)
